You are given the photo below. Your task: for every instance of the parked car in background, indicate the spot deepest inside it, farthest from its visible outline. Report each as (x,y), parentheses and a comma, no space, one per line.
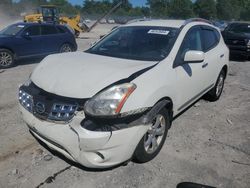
(111,21)
(22,40)
(116,101)
(237,38)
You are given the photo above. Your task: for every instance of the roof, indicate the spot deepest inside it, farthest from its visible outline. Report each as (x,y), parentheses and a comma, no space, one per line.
(33,23)
(160,23)
(166,23)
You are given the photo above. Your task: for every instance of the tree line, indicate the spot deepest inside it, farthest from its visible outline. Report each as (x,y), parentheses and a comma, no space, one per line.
(179,9)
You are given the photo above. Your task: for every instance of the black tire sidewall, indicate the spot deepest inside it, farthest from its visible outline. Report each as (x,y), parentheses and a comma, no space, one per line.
(211,95)
(140,155)
(12,56)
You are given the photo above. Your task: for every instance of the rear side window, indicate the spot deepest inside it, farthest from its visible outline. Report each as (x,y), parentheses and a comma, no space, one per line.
(48,30)
(33,30)
(210,39)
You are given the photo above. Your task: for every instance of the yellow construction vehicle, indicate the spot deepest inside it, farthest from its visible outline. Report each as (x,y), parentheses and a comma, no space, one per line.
(50,13)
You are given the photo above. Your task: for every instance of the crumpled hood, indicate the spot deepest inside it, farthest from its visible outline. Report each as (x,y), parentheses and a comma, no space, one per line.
(82,75)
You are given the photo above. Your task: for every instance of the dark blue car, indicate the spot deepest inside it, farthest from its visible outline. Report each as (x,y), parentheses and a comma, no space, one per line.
(23,40)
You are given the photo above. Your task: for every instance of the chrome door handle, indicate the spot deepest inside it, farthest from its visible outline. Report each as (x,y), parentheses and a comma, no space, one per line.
(204,65)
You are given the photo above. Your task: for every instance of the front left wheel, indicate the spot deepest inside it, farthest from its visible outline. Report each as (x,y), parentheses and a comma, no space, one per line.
(6,58)
(152,142)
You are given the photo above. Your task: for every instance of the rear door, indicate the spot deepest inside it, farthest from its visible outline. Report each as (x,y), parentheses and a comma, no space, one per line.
(190,80)
(51,39)
(29,41)
(213,54)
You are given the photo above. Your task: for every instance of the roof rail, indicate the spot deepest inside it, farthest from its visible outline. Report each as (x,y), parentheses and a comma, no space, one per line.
(138,20)
(196,20)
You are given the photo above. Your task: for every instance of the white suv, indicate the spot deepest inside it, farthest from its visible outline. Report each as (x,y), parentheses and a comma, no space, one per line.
(115,101)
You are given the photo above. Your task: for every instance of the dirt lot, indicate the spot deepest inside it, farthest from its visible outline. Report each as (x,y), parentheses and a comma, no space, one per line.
(208,144)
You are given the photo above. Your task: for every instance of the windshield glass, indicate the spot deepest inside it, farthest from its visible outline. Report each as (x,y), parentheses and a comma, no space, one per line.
(12,30)
(147,43)
(240,28)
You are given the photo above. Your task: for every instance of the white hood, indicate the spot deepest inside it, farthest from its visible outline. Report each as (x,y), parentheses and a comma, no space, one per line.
(82,75)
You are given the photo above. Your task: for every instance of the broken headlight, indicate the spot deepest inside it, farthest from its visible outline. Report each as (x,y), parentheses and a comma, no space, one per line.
(110,101)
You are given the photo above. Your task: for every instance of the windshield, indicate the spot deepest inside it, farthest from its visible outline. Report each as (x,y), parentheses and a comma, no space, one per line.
(147,43)
(12,30)
(239,28)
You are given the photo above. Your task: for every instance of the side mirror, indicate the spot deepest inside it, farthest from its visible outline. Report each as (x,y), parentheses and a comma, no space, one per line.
(194,56)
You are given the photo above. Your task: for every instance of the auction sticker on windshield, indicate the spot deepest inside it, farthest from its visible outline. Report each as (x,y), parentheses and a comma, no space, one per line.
(158,32)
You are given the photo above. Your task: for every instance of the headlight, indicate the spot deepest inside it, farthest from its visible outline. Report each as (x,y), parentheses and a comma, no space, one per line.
(110,101)
(25,100)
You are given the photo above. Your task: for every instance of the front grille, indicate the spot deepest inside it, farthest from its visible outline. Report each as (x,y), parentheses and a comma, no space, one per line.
(62,112)
(48,106)
(236,42)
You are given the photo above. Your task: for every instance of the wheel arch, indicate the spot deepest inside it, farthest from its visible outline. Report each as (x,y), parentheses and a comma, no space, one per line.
(11,50)
(168,106)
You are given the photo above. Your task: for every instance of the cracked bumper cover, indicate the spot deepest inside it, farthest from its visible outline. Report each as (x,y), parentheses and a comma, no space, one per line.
(93,149)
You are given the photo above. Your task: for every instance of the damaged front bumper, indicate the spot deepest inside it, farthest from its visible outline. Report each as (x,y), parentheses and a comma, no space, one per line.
(89,147)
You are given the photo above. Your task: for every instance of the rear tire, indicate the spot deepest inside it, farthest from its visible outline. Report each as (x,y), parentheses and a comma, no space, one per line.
(6,58)
(215,93)
(66,48)
(152,142)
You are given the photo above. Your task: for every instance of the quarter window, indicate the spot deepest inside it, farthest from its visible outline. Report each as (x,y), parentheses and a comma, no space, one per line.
(48,30)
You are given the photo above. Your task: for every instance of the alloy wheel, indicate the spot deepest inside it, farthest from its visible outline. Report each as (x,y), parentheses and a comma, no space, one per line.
(5,59)
(154,135)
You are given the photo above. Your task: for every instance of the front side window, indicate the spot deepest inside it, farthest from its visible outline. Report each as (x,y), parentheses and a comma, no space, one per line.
(149,43)
(192,41)
(12,30)
(48,30)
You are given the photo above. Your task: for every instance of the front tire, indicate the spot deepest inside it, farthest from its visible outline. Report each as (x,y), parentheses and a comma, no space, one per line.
(215,93)
(152,142)
(6,58)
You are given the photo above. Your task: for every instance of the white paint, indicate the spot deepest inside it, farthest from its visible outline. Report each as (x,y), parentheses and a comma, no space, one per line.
(82,75)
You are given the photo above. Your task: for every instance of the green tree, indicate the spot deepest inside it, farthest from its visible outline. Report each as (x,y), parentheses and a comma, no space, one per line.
(245,11)
(229,9)
(180,9)
(205,9)
(158,8)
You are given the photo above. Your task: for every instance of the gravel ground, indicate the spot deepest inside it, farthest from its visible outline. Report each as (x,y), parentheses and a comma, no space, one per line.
(208,144)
